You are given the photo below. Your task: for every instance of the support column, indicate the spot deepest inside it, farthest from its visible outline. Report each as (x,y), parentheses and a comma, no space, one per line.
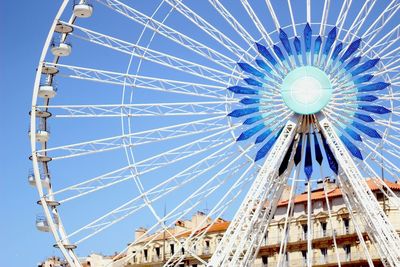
(361,198)
(244,235)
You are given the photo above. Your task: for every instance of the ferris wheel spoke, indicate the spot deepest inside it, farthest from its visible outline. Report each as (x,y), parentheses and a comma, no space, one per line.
(344,10)
(260,27)
(359,21)
(148,54)
(292,17)
(170,33)
(213,32)
(223,204)
(224,172)
(139,110)
(156,193)
(273,14)
(380,22)
(384,43)
(145,166)
(361,196)
(137,138)
(233,22)
(380,182)
(142,82)
(331,222)
(352,208)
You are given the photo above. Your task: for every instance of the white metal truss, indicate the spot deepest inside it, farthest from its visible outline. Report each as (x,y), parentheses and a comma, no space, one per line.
(140,110)
(242,238)
(170,33)
(144,166)
(359,194)
(136,138)
(152,55)
(212,31)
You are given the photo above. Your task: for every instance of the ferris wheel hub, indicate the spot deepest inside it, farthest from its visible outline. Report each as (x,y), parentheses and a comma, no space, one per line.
(306,90)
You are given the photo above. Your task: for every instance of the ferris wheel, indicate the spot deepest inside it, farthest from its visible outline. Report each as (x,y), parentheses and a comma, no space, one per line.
(161,108)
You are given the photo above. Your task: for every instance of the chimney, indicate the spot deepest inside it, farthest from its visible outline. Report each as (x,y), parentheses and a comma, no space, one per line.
(140,232)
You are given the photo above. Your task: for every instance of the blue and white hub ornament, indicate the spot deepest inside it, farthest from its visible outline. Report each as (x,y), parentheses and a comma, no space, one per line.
(316,74)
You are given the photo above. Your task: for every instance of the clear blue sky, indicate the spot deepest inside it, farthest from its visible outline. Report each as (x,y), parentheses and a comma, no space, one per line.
(24,27)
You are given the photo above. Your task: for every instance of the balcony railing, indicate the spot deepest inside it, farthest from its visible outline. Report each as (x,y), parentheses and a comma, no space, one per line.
(318,233)
(320,260)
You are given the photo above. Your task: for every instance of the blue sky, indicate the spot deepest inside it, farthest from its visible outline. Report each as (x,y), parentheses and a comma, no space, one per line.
(24,29)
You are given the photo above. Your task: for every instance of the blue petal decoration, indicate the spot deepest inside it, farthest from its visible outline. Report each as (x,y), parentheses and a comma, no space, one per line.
(330,157)
(363,79)
(367,98)
(373,87)
(307,37)
(249,101)
(261,138)
(329,41)
(351,147)
(308,168)
(363,117)
(285,161)
(249,69)
(337,50)
(279,53)
(250,132)
(253,120)
(367,130)
(353,134)
(266,148)
(366,66)
(243,112)
(374,109)
(297,156)
(352,63)
(285,42)
(352,48)
(317,149)
(253,82)
(297,45)
(317,45)
(262,64)
(243,90)
(265,53)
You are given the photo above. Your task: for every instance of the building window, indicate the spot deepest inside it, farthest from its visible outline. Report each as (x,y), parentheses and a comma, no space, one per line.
(304,256)
(264,260)
(158,252)
(324,255)
(172,248)
(323,227)
(380,196)
(346,223)
(145,254)
(305,229)
(347,250)
(194,265)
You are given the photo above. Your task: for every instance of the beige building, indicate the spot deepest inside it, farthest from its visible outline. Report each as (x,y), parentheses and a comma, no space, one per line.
(326,231)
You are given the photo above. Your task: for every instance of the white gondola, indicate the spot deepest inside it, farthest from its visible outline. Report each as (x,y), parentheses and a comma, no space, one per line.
(47,91)
(83,9)
(45,180)
(63,28)
(49,69)
(42,223)
(41,135)
(61,49)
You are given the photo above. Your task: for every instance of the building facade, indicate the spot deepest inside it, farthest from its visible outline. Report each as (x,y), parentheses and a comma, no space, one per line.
(334,237)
